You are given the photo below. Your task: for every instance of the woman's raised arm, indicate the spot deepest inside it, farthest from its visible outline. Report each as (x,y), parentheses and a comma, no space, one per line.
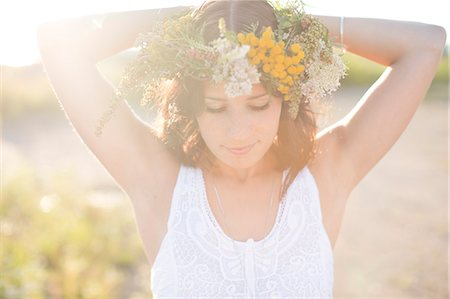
(96,37)
(128,148)
(411,51)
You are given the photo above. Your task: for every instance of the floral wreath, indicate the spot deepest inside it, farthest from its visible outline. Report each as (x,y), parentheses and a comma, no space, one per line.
(297,59)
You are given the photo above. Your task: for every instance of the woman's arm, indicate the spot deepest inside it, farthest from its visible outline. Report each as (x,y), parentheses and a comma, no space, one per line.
(385,41)
(128,149)
(102,35)
(411,52)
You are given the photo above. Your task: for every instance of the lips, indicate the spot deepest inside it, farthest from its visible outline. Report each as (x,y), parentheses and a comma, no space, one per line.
(241,150)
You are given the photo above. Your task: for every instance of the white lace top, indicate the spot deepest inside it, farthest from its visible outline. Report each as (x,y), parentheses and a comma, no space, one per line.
(197,259)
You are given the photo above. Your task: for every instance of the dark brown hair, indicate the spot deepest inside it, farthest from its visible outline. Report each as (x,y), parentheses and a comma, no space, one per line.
(184,100)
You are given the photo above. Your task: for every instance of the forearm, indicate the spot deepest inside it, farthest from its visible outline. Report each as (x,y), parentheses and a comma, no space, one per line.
(384,41)
(96,37)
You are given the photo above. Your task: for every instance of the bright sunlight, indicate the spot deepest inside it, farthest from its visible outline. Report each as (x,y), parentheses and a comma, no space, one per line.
(19,19)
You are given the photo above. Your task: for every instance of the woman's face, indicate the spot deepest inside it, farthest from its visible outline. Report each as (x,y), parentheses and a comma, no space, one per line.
(239,131)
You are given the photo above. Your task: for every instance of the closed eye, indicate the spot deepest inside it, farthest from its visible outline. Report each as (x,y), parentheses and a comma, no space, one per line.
(256,108)
(259,108)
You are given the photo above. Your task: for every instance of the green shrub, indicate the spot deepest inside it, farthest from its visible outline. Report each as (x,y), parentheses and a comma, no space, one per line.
(362,71)
(57,244)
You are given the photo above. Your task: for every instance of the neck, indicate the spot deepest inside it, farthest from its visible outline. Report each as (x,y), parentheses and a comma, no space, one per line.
(243,175)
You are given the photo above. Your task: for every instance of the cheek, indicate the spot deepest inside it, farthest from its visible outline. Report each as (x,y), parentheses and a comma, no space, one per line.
(270,126)
(272,117)
(210,129)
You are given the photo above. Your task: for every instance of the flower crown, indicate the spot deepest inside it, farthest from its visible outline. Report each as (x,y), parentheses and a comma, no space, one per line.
(297,59)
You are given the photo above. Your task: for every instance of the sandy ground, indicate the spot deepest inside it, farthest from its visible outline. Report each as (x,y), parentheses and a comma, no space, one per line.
(394,236)
(393,240)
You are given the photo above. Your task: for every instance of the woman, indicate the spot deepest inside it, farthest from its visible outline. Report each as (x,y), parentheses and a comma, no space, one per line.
(232,196)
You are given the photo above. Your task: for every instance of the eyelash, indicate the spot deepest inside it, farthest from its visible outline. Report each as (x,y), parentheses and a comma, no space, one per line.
(253,108)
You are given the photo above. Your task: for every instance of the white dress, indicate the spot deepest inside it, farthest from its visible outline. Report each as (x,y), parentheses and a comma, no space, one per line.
(197,259)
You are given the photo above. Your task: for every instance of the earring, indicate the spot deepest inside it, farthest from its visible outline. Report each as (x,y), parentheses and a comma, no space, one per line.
(275,140)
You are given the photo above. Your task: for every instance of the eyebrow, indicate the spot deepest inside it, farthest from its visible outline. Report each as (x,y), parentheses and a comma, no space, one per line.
(223,100)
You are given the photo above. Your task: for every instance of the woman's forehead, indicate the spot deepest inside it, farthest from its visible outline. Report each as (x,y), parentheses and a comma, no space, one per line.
(218,90)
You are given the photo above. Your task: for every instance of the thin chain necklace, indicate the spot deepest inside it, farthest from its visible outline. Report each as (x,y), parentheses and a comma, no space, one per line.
(223,213)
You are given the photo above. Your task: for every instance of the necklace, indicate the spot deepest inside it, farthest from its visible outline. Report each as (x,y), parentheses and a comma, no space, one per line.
(223,213)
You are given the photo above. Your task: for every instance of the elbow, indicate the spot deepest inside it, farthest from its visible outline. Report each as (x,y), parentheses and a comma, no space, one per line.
(53,34)
(429,44)
(436,40)
(43,31)
(41,40)
(53,40)
(43,36)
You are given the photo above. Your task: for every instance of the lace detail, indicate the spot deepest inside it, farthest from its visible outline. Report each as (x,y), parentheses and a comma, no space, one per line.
(198,260)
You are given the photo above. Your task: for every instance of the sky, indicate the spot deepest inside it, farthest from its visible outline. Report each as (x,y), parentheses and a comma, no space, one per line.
(19,18)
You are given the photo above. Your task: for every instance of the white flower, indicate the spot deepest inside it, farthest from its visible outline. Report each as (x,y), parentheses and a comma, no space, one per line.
(237,53)
(234,68)
(323,78)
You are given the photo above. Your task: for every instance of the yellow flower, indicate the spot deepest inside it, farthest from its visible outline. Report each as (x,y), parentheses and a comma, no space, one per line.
(241,38)
(251,53)
(275,60)
(254,41)
(279,67)
(289,80)
(295,70)
(295,48)
(272,58)
(267,34)
(296,59)
(283,89)
(267,68)
(276,50)
(279,59)
(292,70)
(270,44)
(300,68)
(250,35)
(262,43)
(287,61)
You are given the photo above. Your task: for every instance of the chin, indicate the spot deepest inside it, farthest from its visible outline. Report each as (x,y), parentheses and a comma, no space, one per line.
(245,161)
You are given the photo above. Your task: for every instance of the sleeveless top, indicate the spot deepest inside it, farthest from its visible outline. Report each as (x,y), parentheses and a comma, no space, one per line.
(197,259)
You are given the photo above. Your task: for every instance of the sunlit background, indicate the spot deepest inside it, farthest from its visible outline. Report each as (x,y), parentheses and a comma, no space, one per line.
(18,19)
(68,231)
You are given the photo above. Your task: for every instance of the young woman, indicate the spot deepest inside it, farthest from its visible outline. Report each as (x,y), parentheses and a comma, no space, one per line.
(232,196)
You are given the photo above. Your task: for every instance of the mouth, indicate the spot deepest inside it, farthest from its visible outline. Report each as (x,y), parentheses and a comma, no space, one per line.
(240,150)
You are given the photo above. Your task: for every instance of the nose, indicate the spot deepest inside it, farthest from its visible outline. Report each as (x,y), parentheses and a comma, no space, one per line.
(239,128)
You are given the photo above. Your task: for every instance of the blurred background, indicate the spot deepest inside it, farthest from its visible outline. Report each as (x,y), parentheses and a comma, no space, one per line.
(68,231)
